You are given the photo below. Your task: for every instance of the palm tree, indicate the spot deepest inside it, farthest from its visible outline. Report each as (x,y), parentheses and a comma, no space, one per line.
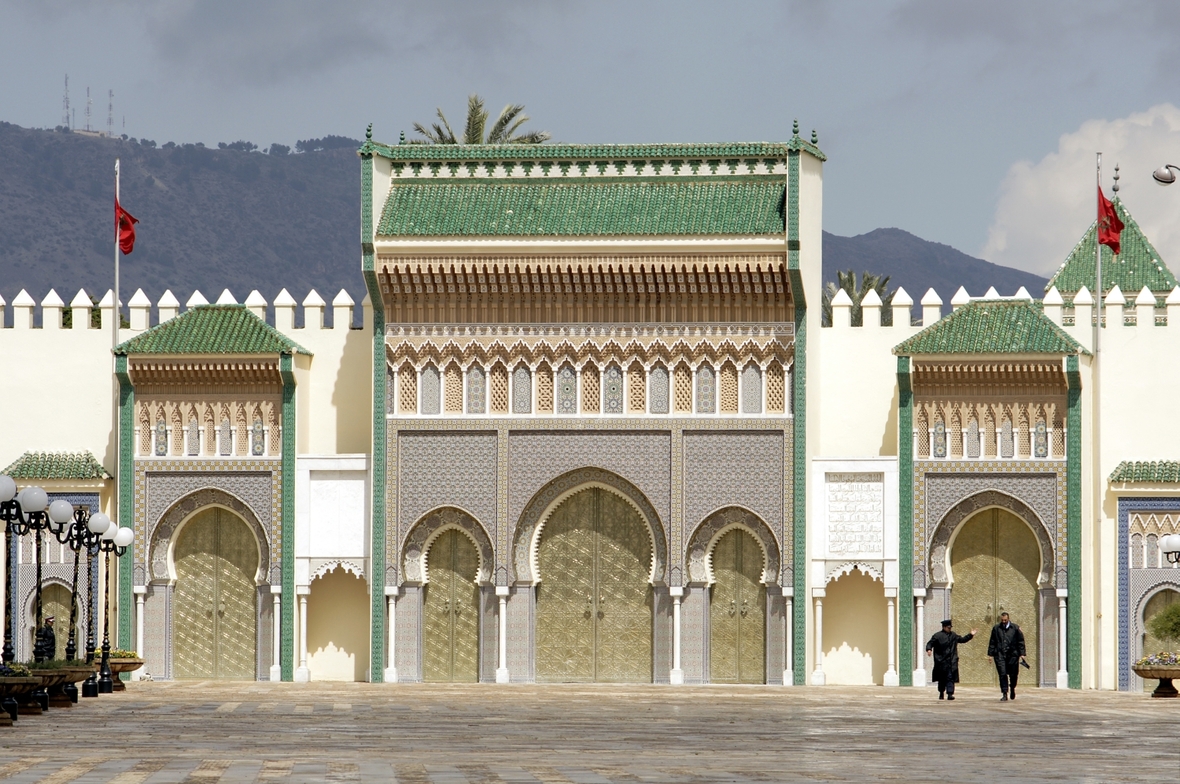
(856,292)
(503,130)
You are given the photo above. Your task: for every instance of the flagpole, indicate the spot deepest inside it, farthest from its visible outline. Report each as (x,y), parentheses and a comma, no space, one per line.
(117,310)
(1096,435)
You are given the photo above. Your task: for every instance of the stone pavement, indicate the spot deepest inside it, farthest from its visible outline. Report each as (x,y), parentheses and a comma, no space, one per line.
(417,734)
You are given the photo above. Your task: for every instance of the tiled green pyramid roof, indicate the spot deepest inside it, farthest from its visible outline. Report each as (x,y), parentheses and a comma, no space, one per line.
(576,152)
(56,465)
(1137,265)
(212,329)
(999,326)
(1156,472)
(585,207)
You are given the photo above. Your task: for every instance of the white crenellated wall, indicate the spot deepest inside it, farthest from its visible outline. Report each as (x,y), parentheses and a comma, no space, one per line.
(59,383)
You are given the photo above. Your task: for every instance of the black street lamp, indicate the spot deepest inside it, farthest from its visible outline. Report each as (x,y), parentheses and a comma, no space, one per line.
(96,526)
(114,540)
(78,535)
(25,513)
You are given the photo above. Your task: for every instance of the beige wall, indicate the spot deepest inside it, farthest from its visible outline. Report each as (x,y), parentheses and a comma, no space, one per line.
(338,628)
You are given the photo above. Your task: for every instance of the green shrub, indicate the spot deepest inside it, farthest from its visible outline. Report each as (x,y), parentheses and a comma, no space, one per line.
(1165,625)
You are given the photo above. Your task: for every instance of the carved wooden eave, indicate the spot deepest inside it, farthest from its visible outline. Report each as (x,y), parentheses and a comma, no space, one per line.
(466,352)
(979,380)
(638,289)
(197,375)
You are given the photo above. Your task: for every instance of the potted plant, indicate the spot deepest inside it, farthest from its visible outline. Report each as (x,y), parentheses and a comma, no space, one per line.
(122,661)
(1163,666)
(15,681)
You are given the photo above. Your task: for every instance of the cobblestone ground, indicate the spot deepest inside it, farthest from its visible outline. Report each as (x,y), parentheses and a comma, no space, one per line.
(205,732)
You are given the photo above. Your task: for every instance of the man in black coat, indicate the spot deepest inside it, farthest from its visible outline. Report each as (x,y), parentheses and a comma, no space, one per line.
(944,646)
(1006,649)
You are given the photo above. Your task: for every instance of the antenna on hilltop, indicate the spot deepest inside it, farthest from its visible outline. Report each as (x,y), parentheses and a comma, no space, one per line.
(88,108)
(65,104)
(110,112)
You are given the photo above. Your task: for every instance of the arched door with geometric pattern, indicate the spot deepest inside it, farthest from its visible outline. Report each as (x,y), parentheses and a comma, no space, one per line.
(215,622)
(450,611)
(594,601)
(1150,643)
(995,561)
(737,611)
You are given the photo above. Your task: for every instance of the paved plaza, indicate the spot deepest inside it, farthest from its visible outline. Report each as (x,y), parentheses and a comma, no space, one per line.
(427,734)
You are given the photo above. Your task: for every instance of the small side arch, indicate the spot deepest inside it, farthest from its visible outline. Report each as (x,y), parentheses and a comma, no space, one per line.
(704,541)
(433,524)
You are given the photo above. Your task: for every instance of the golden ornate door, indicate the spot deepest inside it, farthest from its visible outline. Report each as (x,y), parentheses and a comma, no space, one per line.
(995,561)
(450,611)
(1150,643)
(737,612)
(55,601)
(594,612)
(215,623)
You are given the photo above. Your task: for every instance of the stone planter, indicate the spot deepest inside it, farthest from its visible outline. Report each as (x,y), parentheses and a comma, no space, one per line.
(1164,674)
(119,666)
(29,704)
(15,689)
(60,696)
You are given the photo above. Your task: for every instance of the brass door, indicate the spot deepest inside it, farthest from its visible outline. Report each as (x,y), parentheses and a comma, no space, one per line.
(737,612)
(995,561)
(450,611)
(215,625)
(1150,643)
(55,601)
(594,603)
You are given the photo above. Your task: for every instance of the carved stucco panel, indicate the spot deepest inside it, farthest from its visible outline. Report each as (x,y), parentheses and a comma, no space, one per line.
(735,468)
(447,469)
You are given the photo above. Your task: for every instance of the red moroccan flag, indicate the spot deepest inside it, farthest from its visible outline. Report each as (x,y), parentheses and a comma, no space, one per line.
(1109,225)
(125,225)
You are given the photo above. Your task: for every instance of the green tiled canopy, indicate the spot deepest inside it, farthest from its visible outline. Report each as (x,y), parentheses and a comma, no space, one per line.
(56,465)
(212,329)
(596,152)
(585,207)
(1137,265)
(1006,326)
(1155,472)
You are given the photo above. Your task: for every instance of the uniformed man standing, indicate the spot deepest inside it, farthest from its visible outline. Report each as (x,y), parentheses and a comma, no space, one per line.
(1006,649)
(944,646)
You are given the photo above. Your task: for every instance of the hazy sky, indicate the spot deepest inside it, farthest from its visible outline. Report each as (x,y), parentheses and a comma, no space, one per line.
(963,122)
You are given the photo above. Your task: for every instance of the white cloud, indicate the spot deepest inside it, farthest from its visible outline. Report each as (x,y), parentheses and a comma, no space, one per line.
(1045,207)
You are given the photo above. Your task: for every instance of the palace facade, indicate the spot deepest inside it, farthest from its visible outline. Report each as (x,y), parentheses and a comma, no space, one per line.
(588,425)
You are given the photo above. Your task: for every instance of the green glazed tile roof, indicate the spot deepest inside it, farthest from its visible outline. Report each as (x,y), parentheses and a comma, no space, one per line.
(1002,326)
(56,465)
(585,208)
(1137,265)
(212,329)
(1156,472)
(573,152)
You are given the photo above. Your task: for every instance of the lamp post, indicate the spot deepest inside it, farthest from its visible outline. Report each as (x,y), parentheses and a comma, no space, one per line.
(96,526)
(1166,174)
(22,514)
(1170,545)
(78,536)
(114,540)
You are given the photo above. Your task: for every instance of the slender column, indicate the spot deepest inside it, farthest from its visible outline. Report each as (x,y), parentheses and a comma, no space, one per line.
(276,663)
(302,674)
(817,675)
(919,633)
(1062,639)
(789,671)
(891,678)
(391,630)
(502,669)
(677,674)
(140,592)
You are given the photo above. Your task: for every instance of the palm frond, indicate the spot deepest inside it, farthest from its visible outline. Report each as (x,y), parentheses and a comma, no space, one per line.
(477,118)
(500,132)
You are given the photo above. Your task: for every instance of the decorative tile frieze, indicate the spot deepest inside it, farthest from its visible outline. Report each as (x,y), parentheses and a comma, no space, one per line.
(446,469)
(735,468)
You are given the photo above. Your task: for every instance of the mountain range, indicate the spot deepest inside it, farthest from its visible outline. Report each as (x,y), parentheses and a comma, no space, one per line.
(237,218)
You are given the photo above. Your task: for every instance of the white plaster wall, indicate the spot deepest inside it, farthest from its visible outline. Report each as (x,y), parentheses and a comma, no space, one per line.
(58,388)
(331,508)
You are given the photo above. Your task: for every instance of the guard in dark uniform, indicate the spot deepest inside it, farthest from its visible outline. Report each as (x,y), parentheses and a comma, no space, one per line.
(944,646)
(47,638)
(1006,649)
